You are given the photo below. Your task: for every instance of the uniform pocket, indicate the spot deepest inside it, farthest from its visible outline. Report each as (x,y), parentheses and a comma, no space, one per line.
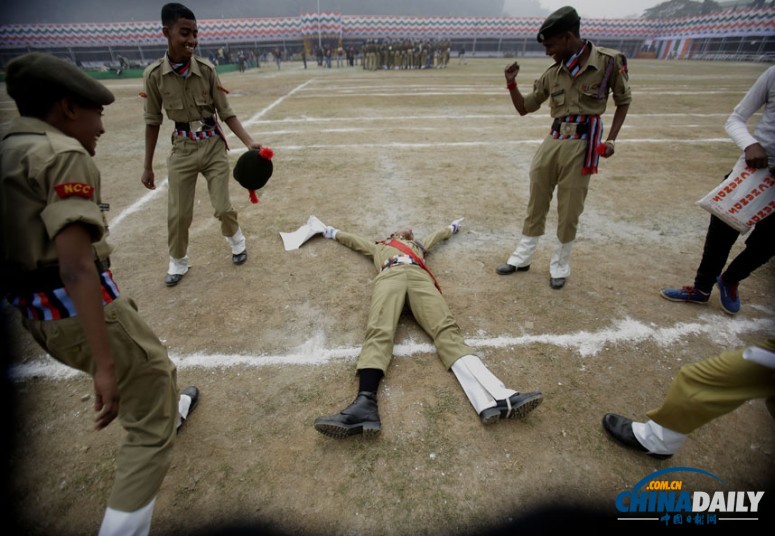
(590,95)
(121,319)
(172,100)
(64,340)
(557,98)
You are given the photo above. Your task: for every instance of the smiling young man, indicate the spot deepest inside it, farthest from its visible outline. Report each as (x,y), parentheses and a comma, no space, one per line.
(577,87)
(188,89)
(56,272)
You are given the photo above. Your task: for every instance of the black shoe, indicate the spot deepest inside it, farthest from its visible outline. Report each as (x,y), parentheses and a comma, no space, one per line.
(620,428)
(506,269)
(516,407)
(556,282)
(173,279)
(240,258)
(193,393)
(360,417)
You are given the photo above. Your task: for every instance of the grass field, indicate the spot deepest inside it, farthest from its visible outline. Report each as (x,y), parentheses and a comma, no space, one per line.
(272,344)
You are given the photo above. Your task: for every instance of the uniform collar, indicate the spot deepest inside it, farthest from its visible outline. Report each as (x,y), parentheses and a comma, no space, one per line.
(166,67)
(592,62)
(30,125)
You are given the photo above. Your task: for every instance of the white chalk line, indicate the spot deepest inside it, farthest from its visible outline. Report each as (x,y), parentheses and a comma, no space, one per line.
(425,145)
(626,332)
(260,114)
(467,117)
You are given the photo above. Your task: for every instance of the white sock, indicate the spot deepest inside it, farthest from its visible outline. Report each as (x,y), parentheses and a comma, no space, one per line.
(559,265)
(657,438)
(524,252)
(481,386)
(178,266)
(184,404)
(237,242)
(118,523)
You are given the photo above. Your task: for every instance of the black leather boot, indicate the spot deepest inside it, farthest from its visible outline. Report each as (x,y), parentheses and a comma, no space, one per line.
(360,417)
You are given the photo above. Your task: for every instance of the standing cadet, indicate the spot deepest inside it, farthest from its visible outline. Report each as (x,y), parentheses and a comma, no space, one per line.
(188,88)
(577,86)
(404,277)
(56,273)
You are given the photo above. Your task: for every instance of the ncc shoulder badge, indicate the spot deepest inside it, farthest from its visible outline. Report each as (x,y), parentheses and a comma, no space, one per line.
(77,189)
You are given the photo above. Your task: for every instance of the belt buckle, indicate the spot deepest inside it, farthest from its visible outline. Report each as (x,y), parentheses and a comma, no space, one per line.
(568,129)
(195,126)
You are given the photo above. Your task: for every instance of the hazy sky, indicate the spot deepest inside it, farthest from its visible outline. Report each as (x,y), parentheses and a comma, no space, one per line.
(602,9)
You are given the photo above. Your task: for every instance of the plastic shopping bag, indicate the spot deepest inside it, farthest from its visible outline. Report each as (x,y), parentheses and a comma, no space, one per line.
(746,197)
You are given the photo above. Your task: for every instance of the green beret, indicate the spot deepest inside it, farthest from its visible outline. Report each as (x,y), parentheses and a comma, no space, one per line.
(43,74)
(562,20)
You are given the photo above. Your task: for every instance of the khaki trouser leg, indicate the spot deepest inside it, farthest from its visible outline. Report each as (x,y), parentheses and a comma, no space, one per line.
(557,164)
(147,381)
(216,170)
(387,302)
(433,315)
(711,388)
(183,170)
(572,189)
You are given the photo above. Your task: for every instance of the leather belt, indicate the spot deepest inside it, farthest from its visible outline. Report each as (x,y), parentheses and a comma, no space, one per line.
(565,128)
(195,126)
(398,260)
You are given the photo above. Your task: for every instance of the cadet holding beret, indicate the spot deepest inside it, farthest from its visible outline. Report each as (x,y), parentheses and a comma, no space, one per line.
(187,87)
(56,268)
(577,86)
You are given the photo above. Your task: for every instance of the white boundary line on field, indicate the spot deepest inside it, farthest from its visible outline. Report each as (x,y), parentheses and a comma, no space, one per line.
(627,331)
(485,143)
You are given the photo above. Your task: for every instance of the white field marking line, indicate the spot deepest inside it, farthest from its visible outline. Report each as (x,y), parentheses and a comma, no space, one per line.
(448,117)
(398,145)
(626,332)
(260,114)
(328,95)
(394,128)
(137,205)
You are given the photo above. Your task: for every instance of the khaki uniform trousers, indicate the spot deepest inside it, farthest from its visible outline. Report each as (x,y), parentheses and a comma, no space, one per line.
(429,308)
(711,388)
(187,159)
(147,382)
(557,164)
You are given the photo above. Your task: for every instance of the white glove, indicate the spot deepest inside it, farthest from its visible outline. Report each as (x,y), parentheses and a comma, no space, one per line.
(330,232)
(315,225)
(455,225)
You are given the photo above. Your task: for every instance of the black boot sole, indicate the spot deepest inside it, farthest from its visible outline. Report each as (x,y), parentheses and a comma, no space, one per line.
(341,431)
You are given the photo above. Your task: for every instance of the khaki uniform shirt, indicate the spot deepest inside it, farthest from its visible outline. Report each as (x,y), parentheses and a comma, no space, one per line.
(49,181)
(194,98)
(382,252)
(605,72)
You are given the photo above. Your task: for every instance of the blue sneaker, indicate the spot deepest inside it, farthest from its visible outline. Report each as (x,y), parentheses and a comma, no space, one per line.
(730,299)
(685,294)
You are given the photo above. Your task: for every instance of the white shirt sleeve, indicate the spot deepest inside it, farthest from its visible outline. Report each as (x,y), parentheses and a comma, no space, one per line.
(736,125)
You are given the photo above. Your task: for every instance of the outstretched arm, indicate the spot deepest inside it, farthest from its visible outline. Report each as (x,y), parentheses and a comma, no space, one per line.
(79,275)
(442,234)
(355,242)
